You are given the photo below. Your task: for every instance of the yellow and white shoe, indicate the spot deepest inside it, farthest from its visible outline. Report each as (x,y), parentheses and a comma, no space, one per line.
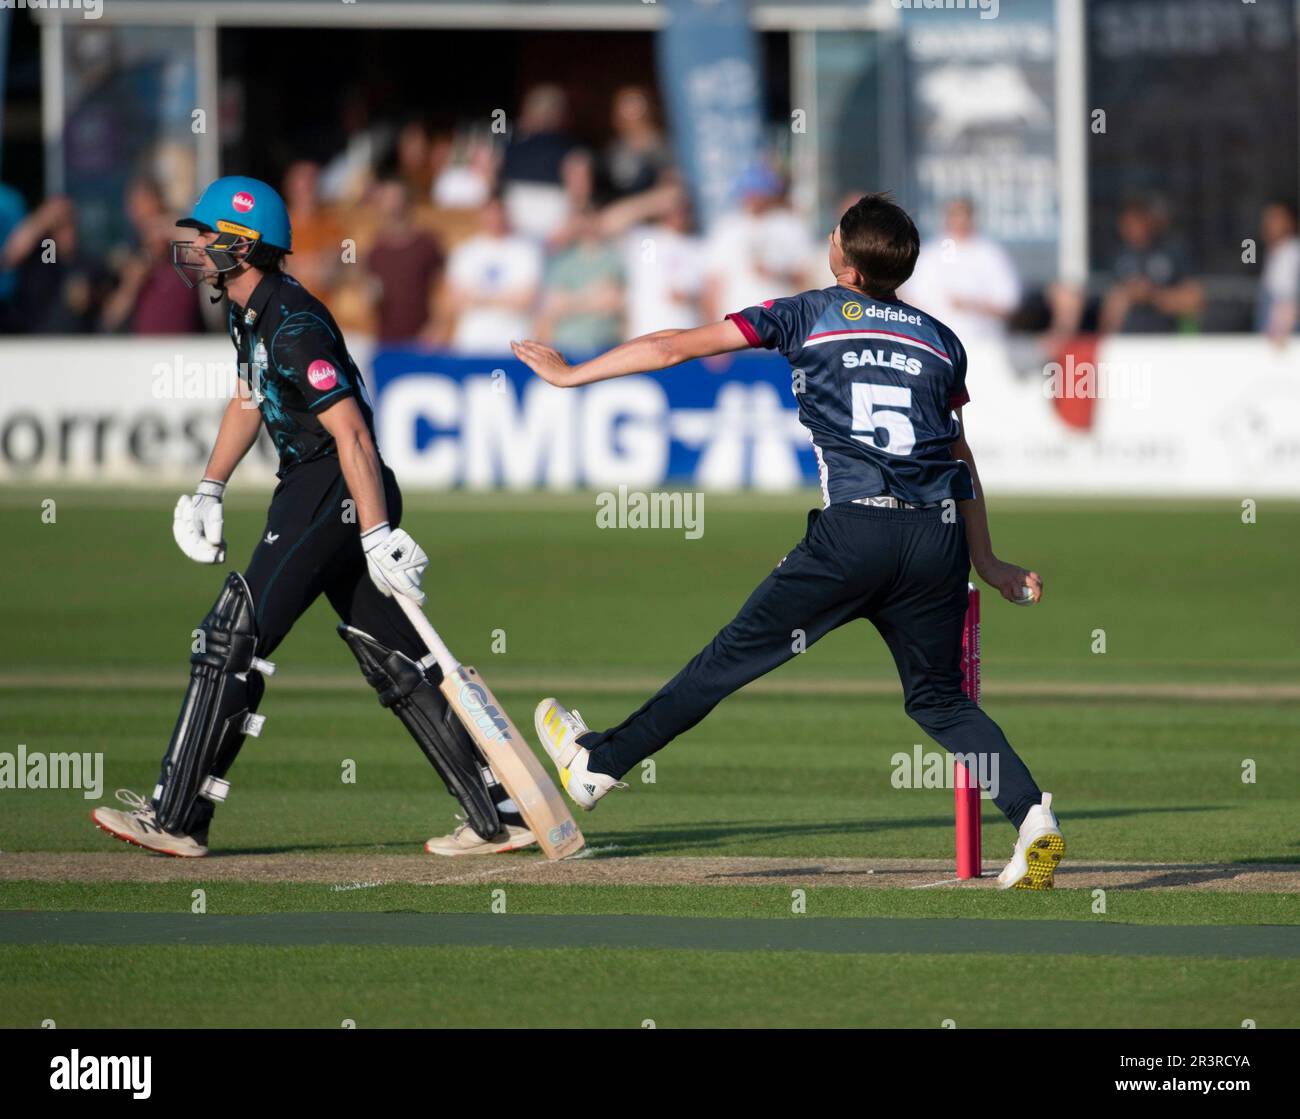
(140,827)
(559,729)
(464,840)
(1039,850)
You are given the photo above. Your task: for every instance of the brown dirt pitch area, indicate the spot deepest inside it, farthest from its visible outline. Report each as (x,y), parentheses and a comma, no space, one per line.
(606,868)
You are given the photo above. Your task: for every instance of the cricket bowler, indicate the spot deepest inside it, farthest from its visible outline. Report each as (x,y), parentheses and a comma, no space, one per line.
(882,392)
(332,528)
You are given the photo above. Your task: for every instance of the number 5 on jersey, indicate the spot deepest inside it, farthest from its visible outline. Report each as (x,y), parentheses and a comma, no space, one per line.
(876,423)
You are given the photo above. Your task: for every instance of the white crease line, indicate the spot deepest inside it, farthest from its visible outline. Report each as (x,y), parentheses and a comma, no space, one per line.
(592,852)
(476,875)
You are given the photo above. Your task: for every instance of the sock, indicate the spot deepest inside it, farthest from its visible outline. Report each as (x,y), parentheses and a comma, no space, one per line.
(507,809)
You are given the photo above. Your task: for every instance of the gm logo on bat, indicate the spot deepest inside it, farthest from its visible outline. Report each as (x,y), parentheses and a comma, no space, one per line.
(486,715)
(565,831)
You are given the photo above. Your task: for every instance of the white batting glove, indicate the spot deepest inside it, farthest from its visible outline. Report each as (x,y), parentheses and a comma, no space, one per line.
(199,523)
(396,561)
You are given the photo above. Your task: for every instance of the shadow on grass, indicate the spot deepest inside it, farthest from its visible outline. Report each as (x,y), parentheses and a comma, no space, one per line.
(407,846)
(667,839)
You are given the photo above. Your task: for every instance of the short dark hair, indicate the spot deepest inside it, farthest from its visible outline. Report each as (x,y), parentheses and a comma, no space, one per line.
(881,242)
(265,258)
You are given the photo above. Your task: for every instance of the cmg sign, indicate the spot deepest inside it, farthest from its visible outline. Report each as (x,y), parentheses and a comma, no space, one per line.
(487,424)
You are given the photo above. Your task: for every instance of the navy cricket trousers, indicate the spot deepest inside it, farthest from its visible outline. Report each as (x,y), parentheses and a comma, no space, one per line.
(905,571)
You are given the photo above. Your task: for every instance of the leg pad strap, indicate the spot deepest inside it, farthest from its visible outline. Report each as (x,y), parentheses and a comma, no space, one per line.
(404,688)
(226,685)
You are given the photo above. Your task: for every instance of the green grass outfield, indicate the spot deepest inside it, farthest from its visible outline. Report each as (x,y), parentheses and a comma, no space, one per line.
(1195,606)
(389,985)
(521,987)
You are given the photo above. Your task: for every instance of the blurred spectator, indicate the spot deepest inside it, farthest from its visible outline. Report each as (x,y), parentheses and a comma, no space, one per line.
(466,170)
(317,235)
(1275,312)
(492,281)
(964,280)
(59,290)
(664,261)
(582,309)
(760,252)
(638,157)
(149,297)
(414,157)
(347,176)
(1150,291)
(406,262)
(545,176)
(12,211)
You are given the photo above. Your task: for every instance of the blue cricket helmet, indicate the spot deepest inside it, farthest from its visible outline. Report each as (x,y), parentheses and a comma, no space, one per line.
(255,208)
(245,214)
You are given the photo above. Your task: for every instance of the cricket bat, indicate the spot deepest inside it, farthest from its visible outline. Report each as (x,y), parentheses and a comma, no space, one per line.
(507,751)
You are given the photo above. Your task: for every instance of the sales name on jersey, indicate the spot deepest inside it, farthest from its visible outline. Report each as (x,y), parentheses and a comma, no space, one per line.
(856,359)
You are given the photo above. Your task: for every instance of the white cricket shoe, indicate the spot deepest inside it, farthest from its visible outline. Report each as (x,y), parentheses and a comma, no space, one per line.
(464,840)
(559,729)
(1039,850)
(140,826)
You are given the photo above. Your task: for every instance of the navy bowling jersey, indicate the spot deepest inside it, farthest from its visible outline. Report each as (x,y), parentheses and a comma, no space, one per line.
(877,382)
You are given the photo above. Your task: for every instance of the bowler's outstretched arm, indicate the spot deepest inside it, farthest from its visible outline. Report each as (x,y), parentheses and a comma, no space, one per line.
(660,350)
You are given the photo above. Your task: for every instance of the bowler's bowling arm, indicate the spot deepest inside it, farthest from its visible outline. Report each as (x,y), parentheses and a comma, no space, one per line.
(660,350)
(974,512)
(1007,579)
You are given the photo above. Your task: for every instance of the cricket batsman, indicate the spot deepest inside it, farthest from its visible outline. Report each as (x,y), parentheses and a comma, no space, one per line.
(883,389)
(331,529)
